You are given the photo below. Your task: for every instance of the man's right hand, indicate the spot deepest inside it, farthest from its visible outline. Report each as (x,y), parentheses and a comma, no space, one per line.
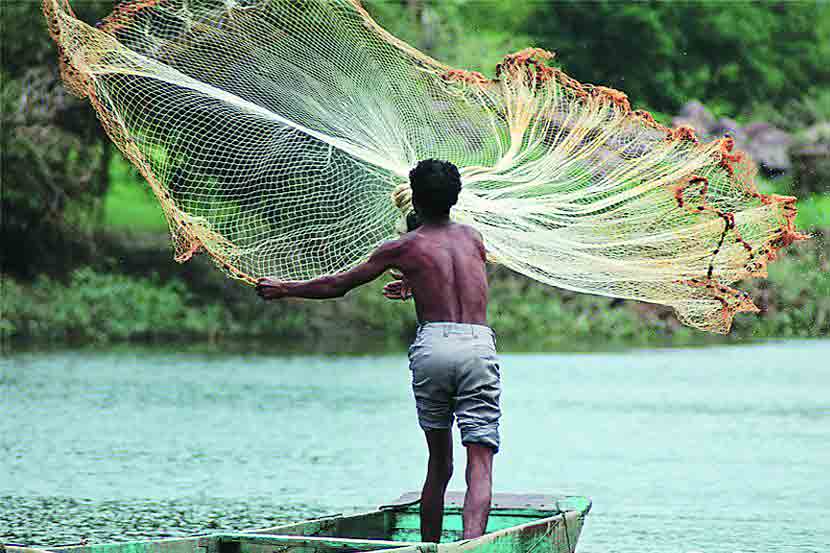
(271,288)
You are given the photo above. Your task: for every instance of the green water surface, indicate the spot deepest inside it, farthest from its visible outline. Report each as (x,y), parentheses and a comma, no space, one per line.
(709,450)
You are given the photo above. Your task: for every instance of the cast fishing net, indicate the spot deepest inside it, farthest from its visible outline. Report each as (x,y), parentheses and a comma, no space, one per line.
(278,136)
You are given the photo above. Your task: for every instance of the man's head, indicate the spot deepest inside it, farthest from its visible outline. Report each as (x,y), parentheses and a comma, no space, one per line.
(435,186)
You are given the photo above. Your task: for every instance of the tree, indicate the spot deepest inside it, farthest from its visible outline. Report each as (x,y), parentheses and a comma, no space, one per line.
(55,156)
(664,54)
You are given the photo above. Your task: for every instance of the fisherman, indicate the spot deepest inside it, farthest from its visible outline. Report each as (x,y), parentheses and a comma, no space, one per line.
(455,371)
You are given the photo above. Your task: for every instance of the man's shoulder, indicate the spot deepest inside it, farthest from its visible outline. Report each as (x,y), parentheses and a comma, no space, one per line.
(397,244)
(471,230)
(417,235)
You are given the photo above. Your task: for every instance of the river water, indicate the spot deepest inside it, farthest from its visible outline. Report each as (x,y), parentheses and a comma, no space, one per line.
(708,450)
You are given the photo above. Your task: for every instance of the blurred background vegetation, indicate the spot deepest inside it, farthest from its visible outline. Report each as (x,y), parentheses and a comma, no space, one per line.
(85,256)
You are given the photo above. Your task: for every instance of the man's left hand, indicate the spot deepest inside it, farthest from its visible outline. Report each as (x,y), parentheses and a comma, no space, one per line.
(271,289)
(397,289)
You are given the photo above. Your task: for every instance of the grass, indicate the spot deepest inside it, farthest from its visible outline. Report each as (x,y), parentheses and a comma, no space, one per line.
(813,211)
(129,203)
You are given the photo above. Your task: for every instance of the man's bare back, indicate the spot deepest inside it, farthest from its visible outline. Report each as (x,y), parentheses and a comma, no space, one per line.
(444,266)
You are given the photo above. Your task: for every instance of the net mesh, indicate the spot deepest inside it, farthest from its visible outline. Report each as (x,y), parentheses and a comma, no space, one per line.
(278,136)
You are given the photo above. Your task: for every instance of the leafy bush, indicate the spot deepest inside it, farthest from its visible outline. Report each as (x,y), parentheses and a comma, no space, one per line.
(796,298)
(796,113)
(731,55)
(100,307)
(95,306)
(528,315)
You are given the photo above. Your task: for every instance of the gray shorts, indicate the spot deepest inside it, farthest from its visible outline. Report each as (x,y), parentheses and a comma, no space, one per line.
(455,371)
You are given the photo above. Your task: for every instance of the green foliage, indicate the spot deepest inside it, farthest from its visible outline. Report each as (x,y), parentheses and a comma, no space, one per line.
(740,58)
(26,42)
(530,316)
(797,112)
(95,306)
(813,210)
(54,155)
(51,175)
(731,55)
(467,34)
(98,306)
(796,298)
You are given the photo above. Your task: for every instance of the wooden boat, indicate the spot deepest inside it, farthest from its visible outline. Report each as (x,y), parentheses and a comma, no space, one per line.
(517,524)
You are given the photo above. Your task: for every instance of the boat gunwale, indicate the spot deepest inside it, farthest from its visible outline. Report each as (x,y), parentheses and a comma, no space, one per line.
(472,543)
(258,536)
(230,536)
(450,507)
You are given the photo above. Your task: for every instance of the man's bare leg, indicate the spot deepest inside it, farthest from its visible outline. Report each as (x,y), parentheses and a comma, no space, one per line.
(479,490)
(439,471)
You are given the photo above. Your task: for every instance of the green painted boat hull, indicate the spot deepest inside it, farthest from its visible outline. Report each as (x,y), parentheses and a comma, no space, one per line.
(517,524)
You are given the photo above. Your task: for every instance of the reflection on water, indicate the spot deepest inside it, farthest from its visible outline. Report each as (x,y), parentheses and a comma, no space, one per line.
(681,450)
(65,521)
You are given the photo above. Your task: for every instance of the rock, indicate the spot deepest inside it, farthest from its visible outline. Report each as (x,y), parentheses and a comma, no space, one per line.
(810,154)
(707,127)
(695,115)
(758,127)
(728,127)
(769,148)
(818,133)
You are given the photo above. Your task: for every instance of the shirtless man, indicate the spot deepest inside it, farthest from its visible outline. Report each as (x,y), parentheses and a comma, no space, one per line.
(455,371)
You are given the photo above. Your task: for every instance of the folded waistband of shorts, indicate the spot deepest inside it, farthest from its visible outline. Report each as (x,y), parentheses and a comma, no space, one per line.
(448,328)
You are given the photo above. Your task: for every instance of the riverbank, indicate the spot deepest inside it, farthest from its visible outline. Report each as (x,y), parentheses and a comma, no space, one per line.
(118,299)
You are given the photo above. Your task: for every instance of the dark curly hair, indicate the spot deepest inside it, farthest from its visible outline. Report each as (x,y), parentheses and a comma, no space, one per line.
(435,186)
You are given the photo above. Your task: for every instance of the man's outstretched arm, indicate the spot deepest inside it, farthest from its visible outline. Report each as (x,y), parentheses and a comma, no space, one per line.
(335,286)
